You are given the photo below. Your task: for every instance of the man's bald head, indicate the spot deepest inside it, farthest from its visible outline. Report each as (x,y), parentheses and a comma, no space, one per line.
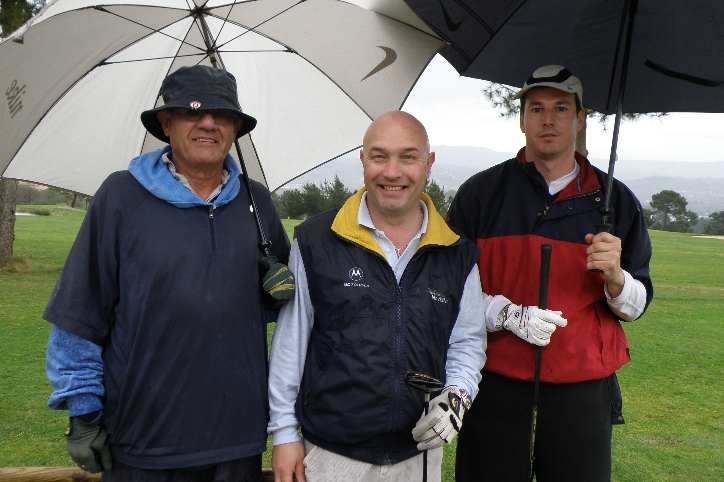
(396,161)
(400,120)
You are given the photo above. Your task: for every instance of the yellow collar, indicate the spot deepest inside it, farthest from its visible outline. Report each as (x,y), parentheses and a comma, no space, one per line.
(345,225)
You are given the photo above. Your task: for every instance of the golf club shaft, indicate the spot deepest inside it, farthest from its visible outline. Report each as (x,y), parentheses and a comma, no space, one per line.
(424,454)
(545,265)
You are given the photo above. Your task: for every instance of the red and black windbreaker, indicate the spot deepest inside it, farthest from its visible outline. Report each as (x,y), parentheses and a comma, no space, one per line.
(509,213)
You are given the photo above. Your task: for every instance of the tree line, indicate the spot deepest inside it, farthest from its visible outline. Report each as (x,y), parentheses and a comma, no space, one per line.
(312,199)
(668,213)
(32,194)
(668,208)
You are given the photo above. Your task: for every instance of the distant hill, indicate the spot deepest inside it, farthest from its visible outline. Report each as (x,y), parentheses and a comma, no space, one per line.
(701,183)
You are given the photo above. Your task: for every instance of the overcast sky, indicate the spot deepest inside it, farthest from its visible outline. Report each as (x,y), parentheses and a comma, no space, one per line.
(455,113)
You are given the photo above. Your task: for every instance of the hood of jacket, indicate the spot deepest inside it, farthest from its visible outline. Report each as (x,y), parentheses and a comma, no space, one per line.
(345,225)
(151,172)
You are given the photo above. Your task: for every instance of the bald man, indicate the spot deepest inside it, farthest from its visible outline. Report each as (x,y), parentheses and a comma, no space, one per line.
(384,286)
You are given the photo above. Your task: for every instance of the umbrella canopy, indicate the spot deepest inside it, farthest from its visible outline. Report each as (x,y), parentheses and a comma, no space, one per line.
(664,55)
(77,77)
(676,48)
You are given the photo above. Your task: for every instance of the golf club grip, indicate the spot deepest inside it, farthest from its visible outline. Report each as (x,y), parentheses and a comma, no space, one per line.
(545,268)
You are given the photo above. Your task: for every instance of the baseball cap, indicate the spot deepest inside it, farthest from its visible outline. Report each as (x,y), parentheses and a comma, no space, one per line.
(555,76)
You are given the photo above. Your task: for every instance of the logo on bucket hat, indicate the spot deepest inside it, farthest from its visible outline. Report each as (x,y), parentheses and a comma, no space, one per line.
(195,104)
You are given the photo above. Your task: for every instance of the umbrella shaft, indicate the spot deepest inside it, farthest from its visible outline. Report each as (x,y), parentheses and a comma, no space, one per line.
(606,211)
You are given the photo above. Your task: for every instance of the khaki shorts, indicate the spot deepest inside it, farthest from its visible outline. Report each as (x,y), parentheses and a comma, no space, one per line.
(324,466)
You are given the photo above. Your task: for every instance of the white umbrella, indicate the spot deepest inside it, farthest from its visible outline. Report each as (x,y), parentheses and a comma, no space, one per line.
(77,77)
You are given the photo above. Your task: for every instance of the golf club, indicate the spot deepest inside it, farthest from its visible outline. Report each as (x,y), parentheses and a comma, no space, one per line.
(545,265)
(427,384)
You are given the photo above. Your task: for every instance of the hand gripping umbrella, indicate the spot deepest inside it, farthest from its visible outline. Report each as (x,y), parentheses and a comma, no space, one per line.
(314,73)
(665,55)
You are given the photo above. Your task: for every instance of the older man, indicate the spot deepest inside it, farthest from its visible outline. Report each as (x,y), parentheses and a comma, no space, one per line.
(383,287)
(551,194)
(158,348)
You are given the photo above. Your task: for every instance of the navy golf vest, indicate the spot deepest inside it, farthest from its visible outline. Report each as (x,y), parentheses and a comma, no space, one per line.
(369,330)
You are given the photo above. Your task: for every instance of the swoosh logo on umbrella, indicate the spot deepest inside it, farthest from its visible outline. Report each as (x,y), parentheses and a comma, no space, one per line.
(390,57)
(452,26)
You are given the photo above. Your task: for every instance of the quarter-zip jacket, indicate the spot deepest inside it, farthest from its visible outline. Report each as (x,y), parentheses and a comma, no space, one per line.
(508,211)
(169,286)
(369,330)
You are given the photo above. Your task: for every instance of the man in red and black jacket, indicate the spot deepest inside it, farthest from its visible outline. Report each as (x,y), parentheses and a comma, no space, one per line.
(550,194)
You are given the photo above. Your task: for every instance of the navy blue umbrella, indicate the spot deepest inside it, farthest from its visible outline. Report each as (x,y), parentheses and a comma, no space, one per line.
(665,55)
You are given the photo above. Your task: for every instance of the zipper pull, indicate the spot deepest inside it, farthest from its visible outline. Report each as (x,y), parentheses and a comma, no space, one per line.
(211,212)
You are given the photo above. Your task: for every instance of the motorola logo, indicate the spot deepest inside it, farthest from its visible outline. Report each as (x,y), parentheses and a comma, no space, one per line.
(355,274)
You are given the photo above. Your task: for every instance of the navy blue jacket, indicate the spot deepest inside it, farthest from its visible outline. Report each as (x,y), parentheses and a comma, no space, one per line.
(173,296)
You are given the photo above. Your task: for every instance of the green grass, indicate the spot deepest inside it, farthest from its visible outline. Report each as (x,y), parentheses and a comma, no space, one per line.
(673,388)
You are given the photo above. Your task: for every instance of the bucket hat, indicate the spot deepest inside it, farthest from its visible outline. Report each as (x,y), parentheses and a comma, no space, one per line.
(197,87)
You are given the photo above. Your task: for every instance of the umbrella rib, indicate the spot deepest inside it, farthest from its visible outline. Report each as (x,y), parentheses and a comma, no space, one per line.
(253,29)
(151,58)
(489,29)
(318,165)
(682,76)
(153,30)
(492,36)
(223,24)
(477,17)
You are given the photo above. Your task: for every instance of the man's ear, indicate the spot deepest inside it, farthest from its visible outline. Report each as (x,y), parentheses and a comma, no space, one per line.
(430,162)
(581,119)
(521,115)
(163,117)
(239,125)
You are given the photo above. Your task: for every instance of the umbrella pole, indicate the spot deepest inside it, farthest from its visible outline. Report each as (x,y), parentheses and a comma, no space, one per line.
(606,211)
(265,244)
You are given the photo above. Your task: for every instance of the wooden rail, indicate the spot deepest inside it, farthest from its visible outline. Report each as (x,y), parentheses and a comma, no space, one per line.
(68,474)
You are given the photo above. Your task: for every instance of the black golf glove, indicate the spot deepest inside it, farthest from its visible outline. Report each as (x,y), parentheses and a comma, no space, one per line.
(278,282)
(87,445)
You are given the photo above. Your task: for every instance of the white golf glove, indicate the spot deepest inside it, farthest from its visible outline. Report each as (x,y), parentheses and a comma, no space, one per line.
(444,420)
(530,323)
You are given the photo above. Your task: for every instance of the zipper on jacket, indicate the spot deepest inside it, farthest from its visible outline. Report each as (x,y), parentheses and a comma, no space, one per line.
(397,368)
(567,199)
(211,227)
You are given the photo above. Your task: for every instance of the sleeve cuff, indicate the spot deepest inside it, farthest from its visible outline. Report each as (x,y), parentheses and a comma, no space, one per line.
(285,435)
(625,292)
(462,384)
(83,403)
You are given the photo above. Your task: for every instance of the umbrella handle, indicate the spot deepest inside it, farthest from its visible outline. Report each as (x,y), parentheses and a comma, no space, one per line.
(603,227)
(265,244)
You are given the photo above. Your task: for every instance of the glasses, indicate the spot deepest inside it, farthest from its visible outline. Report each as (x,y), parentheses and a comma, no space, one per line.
(221,117)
